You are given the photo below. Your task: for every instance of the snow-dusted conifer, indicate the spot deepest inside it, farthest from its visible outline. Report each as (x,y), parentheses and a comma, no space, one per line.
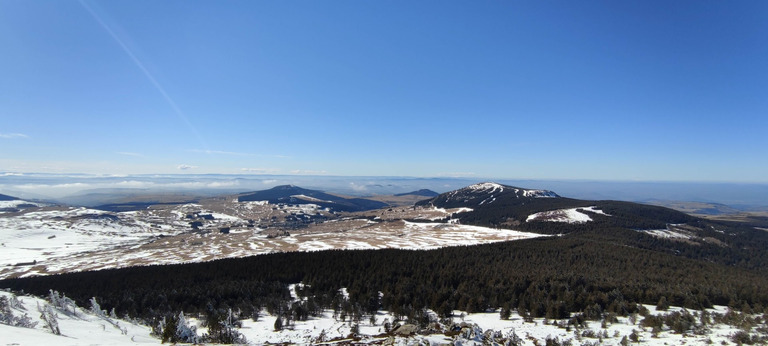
(53,297)
(185,332)
(7,316)
(48,315)
(62,303)
(96,308)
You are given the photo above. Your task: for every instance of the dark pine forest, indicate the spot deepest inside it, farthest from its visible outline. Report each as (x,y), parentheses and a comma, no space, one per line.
(594,271)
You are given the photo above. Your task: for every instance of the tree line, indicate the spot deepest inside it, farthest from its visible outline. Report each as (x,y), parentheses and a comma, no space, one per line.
(592,271)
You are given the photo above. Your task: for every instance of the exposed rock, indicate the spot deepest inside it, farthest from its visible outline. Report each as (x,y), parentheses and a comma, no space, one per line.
(405,330)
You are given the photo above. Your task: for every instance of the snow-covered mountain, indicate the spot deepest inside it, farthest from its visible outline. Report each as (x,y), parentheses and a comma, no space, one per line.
(485,194)
(6,198)
(534,210)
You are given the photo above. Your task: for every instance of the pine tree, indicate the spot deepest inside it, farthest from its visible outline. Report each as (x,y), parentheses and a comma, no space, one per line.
(278,324)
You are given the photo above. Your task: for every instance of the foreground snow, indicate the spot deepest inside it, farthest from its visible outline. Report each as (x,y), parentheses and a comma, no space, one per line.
(85,327)
(81,328)
(479,329)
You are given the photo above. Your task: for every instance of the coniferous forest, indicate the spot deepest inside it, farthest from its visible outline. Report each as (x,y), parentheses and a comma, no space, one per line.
(589,270)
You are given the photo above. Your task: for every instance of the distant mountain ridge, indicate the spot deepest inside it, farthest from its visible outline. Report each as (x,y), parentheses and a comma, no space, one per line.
(422,192)
(701,208)
(291,194)
(7,198)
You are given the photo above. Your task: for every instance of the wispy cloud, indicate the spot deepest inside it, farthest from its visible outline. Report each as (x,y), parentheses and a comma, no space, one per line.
(185,167)
(144,70)
(308,172)
(13,135)
(127,153)
(358,187)
(261,170)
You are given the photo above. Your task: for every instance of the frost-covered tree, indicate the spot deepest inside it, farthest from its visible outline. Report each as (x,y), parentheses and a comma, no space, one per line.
(48,315)
(8,317)
(96,309)
(176,329)
(63,303)
(185,332)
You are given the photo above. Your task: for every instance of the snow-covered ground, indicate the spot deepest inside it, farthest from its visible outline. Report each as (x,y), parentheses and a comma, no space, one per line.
(572,215)
(43,235)
(16,203)
(479,326)
(81,328)
(666,233)
(50,240)
(85,327)
(354,234)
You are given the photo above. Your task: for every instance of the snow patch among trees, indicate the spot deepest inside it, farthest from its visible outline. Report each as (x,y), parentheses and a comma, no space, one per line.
(572,215)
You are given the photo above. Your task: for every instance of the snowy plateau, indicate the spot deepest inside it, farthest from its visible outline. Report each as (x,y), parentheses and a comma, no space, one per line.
(42,240)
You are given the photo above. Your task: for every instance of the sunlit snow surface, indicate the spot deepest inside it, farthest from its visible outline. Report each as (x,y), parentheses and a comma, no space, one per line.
(86,328)
(487,187)
(48,238)
(572,215)
(83,329)
(43,235)
(15,204)
(63,239)
(531,333)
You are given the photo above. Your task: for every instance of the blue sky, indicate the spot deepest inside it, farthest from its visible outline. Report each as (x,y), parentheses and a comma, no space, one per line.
(610,90)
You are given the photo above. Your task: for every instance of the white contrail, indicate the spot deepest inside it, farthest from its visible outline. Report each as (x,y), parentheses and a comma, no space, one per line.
(146,72)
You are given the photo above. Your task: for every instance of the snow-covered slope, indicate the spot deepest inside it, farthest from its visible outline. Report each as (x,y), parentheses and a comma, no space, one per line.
(83,327)
(22,323)
(572,215)
(11,204)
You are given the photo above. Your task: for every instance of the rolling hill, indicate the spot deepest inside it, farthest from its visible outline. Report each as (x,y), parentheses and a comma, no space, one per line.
(290,194)
(498,205)
(7,198)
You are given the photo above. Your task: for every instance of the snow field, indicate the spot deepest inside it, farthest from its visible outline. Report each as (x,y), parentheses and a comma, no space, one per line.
(84,328)
(572,215)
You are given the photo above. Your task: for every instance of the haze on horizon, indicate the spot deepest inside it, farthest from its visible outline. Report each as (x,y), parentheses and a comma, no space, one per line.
(627,91)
